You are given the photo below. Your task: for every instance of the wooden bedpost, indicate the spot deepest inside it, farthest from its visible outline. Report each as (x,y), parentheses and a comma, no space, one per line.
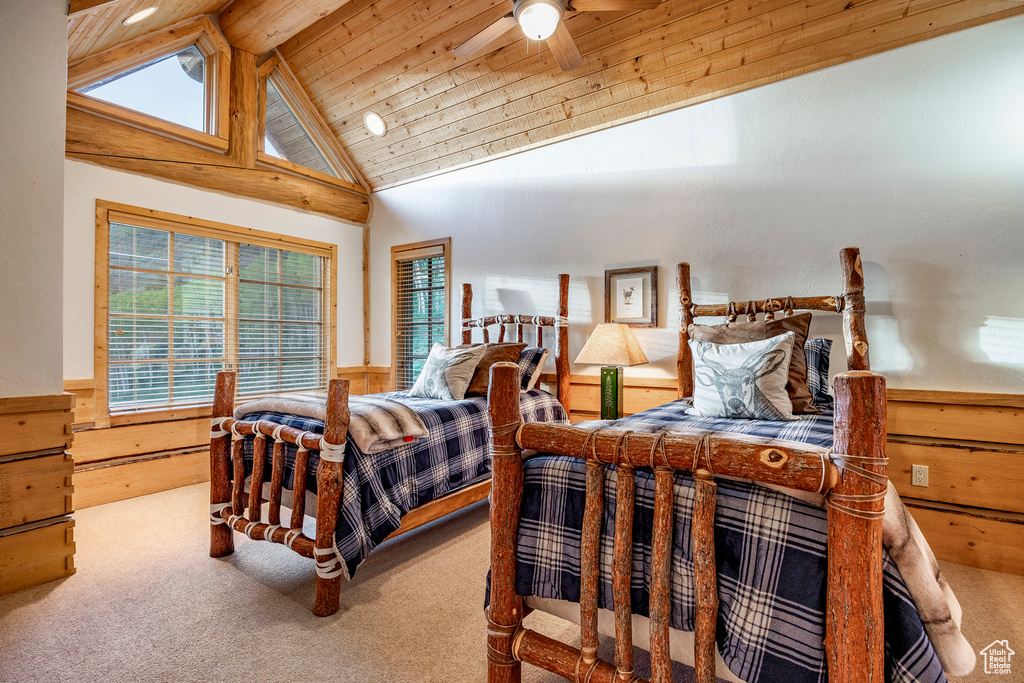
(467,312)
(222,540)
(855,637)
(854,310)
(684,360)
(562,344)
(328,499)
(505,613)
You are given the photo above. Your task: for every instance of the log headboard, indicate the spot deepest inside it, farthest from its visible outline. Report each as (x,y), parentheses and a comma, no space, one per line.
(850,303)
(559,321)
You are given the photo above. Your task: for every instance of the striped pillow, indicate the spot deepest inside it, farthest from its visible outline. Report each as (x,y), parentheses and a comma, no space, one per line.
(817,352)
(531,364)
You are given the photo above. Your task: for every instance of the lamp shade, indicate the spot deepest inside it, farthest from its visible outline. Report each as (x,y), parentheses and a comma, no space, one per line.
(611,344)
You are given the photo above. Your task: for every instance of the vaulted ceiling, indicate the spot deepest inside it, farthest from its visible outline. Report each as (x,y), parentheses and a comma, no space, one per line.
(394,57)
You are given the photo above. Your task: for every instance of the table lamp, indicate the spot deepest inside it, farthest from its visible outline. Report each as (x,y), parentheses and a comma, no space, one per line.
(612,345)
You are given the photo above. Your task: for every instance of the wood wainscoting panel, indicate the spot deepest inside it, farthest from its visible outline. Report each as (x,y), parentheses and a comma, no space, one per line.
(130,477)
(36,553)
(998,424)
(977,538)
(35,487)
(111,443)
(960,472)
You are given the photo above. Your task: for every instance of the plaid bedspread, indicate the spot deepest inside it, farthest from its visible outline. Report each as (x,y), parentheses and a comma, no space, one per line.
(770,553)
(378,489)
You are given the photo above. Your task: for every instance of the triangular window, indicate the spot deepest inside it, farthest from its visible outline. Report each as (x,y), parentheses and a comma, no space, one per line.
(171,87)
(286,138)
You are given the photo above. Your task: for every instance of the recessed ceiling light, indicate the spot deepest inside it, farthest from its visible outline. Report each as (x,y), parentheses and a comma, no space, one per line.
(144,13)
(374,123)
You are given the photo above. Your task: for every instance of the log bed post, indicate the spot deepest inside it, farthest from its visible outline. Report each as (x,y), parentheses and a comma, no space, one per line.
(854,640)
(854,310)
(684,360)
(505,613)
(562,343)
(328,498)
(467,312)
(222,540)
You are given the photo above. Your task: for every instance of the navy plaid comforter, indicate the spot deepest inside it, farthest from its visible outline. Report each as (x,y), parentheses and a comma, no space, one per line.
(379,489)
(770,551)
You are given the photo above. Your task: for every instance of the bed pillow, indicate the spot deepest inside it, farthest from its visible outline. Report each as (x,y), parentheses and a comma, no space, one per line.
(743,380)
(531,364)
(493,353)
(817,352)
(447,373)
(740,332)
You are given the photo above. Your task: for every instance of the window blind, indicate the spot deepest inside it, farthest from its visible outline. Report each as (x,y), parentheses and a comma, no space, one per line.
(182,307)
(420,310)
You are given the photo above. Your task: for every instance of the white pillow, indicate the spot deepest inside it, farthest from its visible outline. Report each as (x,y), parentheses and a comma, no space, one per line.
(743,380)
(447,372)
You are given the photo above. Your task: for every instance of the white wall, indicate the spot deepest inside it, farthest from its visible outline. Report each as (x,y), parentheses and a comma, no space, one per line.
(85,183)
(33,52)
(915,155)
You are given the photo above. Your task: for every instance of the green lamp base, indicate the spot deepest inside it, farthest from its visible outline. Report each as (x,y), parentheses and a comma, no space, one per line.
(611,392)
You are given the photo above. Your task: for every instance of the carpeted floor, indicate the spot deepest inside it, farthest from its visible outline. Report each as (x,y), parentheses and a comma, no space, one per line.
(149,604)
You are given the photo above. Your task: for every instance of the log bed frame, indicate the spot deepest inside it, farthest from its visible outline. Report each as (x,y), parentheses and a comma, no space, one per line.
(228,497)
(854,495)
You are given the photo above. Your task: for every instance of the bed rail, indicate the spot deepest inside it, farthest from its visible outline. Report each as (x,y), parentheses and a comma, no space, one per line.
(560,321)
(854,640)
(227,497)
(850,303)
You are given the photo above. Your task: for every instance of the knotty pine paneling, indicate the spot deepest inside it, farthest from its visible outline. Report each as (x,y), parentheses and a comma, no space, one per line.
(443,112)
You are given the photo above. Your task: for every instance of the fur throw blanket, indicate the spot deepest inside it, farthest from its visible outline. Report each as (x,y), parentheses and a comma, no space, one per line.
(377,424)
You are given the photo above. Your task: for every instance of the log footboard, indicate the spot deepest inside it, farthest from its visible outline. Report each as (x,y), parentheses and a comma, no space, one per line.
(854,491)
(227,506)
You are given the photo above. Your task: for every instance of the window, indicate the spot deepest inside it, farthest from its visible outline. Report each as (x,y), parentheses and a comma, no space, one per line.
(184,299)
(420,273)
(285,138)
(171,87)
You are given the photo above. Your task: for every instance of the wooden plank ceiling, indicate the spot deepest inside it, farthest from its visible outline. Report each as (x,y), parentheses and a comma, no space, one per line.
(444,112)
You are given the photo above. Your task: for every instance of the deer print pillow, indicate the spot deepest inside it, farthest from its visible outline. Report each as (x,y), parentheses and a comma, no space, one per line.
(743,380)
(447,372)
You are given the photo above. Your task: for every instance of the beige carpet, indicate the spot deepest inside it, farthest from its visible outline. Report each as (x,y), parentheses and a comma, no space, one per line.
(148,604)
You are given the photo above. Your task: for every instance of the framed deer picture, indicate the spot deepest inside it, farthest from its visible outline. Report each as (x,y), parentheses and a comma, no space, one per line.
(631,296)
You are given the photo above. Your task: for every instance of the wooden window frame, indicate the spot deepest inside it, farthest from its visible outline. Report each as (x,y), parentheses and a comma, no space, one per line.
(161,220)
(200,32)
(277,71)
(396,252)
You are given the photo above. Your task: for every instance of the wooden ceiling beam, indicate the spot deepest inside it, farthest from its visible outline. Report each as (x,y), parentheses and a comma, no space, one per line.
(76,6)
(258,26)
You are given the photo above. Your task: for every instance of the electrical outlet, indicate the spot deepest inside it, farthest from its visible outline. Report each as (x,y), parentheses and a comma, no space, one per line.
(919,475)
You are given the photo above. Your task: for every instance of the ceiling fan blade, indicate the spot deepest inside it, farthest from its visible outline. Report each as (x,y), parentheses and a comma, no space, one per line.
(485,37)
(564,48)
(613,5)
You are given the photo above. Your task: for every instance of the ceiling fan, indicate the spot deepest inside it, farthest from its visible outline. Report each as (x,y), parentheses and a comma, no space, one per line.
(542,20)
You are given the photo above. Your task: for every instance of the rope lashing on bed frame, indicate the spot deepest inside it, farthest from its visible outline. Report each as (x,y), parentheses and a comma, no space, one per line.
(331,452)
(215,511)
(846,463)
(331,566)
(496,630)
(498,431)
(703,441)
(217,427)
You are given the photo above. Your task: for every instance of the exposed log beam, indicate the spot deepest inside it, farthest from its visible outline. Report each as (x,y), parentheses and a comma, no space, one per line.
(257,26)
(118,145)
(76,6)
(242,115)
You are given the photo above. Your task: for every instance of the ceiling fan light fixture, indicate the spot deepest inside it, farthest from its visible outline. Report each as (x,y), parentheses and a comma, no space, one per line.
(141,15)
(538,18)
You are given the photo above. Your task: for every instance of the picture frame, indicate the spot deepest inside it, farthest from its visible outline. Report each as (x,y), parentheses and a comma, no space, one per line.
(631,296)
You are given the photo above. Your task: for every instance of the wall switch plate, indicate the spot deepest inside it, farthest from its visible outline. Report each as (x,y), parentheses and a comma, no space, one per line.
(919,475)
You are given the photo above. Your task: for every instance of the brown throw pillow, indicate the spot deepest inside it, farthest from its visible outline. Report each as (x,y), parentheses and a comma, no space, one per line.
(495,353)
(742,332)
